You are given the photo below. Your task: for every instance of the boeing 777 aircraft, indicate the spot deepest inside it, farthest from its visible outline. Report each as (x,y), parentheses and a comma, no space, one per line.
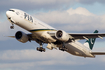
(43,33)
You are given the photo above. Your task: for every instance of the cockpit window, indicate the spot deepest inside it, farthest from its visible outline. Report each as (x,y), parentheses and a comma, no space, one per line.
(12,10)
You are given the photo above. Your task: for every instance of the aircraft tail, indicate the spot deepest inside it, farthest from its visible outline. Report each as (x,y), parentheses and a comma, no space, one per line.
(90,43)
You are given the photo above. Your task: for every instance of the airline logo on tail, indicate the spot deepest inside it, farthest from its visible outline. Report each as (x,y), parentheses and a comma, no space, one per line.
(91,41)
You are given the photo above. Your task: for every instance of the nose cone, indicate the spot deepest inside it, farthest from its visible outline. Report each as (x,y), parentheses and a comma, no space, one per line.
(7,14)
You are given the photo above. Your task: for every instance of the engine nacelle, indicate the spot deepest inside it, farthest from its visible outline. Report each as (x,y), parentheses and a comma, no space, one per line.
(62,36)
(21,36)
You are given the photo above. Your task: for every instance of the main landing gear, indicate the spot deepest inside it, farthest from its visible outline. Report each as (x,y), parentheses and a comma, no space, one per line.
(41,49)
(63,48)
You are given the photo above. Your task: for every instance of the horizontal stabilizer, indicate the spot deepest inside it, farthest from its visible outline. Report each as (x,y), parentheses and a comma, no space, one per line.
(98,53)
(12,36)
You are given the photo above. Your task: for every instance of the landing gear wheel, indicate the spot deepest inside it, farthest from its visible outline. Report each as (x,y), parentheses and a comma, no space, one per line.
(63,49)
(41,49)
(12,27)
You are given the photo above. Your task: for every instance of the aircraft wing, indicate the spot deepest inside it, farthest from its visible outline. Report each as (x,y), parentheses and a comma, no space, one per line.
(12,36)
(78,36)
(30,36)
(87,36)
(98,53)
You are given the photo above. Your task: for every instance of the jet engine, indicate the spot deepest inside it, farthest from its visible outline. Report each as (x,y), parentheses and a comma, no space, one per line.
(21,36)
(62,36)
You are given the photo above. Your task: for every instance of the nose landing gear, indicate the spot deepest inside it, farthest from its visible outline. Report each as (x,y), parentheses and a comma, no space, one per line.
(11,20)
(12,27)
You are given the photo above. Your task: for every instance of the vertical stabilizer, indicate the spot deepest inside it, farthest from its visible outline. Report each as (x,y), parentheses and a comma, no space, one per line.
(90,43)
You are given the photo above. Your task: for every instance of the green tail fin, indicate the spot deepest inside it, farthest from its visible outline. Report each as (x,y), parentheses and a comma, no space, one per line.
(91,41)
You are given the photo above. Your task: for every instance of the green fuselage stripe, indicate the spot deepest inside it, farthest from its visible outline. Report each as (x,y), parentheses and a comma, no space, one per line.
(36,30)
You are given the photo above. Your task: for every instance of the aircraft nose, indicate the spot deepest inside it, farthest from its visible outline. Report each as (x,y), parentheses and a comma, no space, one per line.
(7,13)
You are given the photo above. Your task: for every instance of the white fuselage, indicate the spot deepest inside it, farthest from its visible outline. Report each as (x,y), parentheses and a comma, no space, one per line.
(40,29)
(78,49)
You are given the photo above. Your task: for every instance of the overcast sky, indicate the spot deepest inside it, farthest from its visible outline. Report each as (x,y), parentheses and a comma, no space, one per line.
(80,16)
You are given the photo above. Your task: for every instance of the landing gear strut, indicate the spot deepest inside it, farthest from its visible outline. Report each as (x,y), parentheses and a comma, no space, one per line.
(41,49)
(10,19)
(63,48)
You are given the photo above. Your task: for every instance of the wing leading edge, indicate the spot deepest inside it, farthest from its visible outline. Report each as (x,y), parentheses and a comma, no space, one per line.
(78,36)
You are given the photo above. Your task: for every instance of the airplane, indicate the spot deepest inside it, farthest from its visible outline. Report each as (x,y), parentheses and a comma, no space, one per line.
(56,39)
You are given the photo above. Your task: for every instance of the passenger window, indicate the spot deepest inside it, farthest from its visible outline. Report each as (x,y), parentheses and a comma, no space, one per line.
(17,13)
